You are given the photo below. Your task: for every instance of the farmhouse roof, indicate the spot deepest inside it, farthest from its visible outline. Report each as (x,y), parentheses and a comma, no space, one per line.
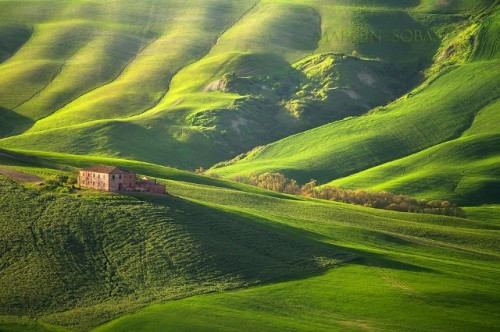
(105,169)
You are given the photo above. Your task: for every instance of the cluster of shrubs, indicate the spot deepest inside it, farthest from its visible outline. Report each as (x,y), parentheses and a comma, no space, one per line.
(380,200)
(59,183)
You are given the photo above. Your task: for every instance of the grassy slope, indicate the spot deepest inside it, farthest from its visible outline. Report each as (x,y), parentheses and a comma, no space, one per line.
(106,256)
(450,121)
(405,263)
(153,61)
(154,51)
(471,162)
(440,112)
(399,285)
(184,42)
(35,162)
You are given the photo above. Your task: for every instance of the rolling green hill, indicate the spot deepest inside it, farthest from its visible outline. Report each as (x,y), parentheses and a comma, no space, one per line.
(383,95)
(439,141)
(84,91)
(439,113)
(471,163)
(101,256)
(234,77)
(117,252)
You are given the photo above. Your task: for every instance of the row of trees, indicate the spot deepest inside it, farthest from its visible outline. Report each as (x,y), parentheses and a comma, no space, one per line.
(380,200)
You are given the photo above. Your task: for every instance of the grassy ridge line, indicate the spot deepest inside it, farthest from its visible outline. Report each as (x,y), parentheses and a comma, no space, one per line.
(69,86)
(291,165)
(466,235)
(166,122)
(60,160)
(172,136)
(463,160)
(251,201)
(19,108)
(333,14)
(179,77)
(436,114)
(223,192)
(277,27)
(43,54)
(191,183)
(94,96)
(121,98)
(291,31)
(163,101)
(470,162)
(488,40)
(103,96)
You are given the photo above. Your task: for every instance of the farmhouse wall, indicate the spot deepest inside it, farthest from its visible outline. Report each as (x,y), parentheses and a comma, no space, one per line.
(109,178)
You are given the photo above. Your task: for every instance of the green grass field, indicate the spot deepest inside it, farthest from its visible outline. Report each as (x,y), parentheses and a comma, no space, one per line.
(439,141)
(382,95)
(350,298)
(400,272)
(440,112)
(45,98)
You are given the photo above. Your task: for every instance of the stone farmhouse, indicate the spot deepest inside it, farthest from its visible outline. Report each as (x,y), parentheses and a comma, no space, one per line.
(111,178)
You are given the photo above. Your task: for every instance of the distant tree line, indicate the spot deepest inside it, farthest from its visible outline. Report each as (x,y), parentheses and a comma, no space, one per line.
(379,200)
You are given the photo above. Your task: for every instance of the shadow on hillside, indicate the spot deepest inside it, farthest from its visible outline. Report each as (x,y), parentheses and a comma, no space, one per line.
(371,259)
(145,250)
(368,258)
(399,38)
(309,244)
(12,123)
(12,38)
(375,260)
